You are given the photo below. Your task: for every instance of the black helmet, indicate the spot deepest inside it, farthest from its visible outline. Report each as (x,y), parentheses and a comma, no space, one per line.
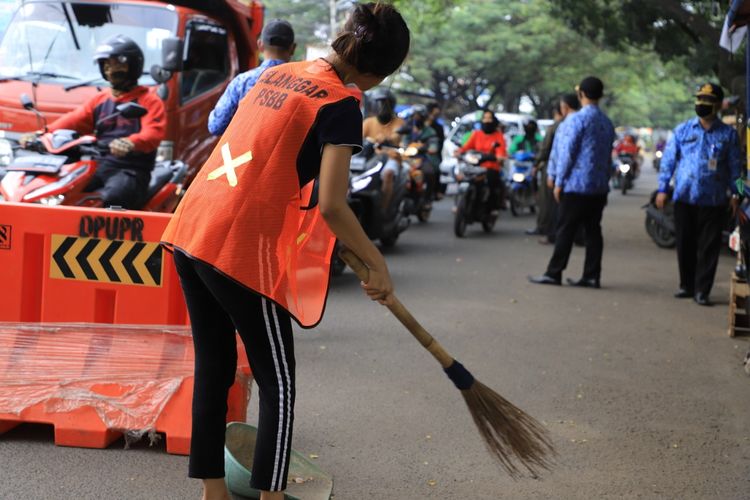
(122,47)
(384,94)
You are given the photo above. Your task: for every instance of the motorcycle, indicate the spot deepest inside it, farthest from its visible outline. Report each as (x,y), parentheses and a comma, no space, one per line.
(365,198)
(473,197)
(55,168)
(660,224)
(522,183)
(418,201)
(625,169)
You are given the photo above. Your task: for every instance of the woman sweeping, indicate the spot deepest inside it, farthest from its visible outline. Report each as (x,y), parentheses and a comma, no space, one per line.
(253,237)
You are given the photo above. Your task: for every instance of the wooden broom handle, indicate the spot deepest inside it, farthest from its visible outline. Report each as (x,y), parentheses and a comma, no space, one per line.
(401,313)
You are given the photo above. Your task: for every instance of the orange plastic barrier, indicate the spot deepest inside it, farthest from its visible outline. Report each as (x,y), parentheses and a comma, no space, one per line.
(95,382)
(67,264)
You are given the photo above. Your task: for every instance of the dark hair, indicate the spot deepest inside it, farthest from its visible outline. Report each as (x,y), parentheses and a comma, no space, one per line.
(572,101)
(375,39)
(432,105)
(494,118)
(556,107)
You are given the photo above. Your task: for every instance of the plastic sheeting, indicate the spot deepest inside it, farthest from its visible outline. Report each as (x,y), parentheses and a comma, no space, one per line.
(127,374)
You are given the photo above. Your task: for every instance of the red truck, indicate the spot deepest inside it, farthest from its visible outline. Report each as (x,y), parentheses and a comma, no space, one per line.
(47,48)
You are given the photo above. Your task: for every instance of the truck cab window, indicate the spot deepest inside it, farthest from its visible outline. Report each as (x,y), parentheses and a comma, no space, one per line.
(207,60)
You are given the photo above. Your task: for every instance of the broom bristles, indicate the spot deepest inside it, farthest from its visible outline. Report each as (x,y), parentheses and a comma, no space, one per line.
(511,435)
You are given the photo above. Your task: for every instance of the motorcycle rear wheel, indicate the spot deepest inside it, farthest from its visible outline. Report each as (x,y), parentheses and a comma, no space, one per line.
(663,237)
(459,223)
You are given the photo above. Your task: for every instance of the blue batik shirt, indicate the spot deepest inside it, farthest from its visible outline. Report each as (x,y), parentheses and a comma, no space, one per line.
(555,152)
(222,114)
(704,163)
(584,157)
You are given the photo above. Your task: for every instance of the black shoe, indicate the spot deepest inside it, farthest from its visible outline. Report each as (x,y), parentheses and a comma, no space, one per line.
(544,280)
(683,294)
(533,232)
(702,299)
(584,283)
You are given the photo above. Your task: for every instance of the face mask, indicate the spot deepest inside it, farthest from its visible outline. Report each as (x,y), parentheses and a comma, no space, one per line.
(385,116)
(703,110)
(119,80)
(488,127)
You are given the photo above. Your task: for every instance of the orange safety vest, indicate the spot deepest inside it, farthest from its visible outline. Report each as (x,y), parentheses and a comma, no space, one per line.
(245,214)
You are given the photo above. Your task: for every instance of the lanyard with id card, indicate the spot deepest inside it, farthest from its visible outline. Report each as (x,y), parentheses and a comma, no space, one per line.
(713,160)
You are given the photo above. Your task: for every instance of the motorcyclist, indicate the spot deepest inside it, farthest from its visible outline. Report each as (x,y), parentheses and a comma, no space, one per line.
(489,141)
(425,139)
(629,147)
(123,173)
(529,141)
(380,130)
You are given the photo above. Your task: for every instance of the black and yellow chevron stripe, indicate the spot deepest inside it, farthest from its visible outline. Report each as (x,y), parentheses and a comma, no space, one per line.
(109,261)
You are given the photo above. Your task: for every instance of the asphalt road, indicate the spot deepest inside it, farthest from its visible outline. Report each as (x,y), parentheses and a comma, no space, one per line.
(644,395)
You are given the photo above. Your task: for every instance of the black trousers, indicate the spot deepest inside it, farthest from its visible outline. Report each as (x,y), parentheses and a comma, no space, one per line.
(118,186)
(495,185)
(698,234)
(547,207)
(218,306)
(579,210)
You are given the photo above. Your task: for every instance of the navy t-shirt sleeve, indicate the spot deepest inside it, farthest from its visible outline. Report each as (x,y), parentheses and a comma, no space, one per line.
(339,124)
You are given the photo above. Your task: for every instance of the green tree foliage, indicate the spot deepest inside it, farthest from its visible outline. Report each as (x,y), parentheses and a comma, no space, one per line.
(684,30)
(508,49)
(309,18)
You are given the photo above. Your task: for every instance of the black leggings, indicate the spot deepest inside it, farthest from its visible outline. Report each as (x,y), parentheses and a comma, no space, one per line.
(218,306)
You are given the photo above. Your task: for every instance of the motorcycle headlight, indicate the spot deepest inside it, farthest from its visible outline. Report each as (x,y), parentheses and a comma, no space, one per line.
(472,158)
(624,168)
(659,154)
(517,177)
(6,152)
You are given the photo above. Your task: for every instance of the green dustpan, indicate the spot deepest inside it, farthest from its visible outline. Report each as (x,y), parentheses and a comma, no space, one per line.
(306,481)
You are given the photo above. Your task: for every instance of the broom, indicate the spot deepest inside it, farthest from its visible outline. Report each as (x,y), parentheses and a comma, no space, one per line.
(510,434)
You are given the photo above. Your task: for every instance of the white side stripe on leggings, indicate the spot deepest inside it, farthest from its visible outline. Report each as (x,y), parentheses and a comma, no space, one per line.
(288,413)
(284,383)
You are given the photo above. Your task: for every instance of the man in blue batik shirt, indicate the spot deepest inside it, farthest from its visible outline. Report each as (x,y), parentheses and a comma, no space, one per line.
(705,159)
(277,45)
(582,171)
(569,105)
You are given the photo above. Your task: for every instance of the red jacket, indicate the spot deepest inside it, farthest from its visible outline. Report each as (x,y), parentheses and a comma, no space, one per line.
(146,134)
(482,142)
